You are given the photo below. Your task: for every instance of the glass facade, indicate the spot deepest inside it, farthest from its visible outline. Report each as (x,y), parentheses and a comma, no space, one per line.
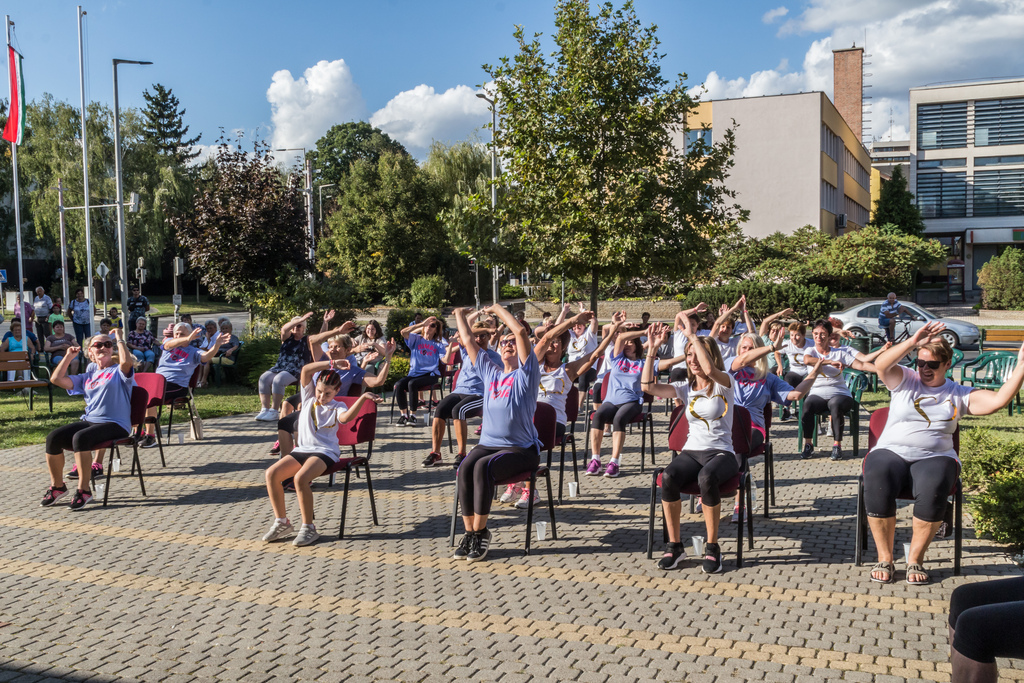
(998,122)
(999,192)
(942,126)
(942,195)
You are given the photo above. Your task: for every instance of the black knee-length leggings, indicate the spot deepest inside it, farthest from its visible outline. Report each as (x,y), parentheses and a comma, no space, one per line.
(82,436)
(708,468)
(838,406)
(887,475)
(618,416)
(407,389)
(987,619)
(483,467)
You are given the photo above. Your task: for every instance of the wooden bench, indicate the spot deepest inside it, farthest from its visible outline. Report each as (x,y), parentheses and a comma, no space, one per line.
(18,362)
(1001,337)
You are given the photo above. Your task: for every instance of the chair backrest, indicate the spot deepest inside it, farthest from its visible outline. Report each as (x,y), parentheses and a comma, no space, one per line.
(876,425)
(361,429)
(767,420)
(195,376)
(140,404)
(856,381)
(153,383)
(544,421)
(572,405)
(455,377)
(14,360)
(679,429)
(741,426)
(355,390)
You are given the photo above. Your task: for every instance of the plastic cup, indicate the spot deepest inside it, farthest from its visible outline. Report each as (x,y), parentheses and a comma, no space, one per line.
(698,545)
(97,489)
(116,464)
(906,552)
(574,489)
(181,439)
(542,530)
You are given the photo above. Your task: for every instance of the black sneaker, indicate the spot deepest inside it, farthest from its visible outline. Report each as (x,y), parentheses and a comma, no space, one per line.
(465,545)
(81,499)
(808,451)
(837,453)
(53,494)
(402,419)
(674,555)
(433,460)
(276,448)
(288,485)
(148,442)
(480,543)
(712,559)
(73,474)
(458,459)
(786,414)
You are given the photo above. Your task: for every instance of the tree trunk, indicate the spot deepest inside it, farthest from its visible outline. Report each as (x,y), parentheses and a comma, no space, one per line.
(594,279)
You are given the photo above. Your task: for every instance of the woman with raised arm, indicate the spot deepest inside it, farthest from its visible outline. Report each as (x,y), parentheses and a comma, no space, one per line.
(794,349)
(723,328)
(582,342)
(107,388)
(509,444)
(707,456)
(293,354)
(678,373)
(915,450)
(317,447)
(426,344)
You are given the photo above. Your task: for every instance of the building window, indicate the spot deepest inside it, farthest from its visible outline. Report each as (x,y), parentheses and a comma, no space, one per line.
(701,135)
(999,192)
(999,122)
(856,171)
(942,195)
(831,144)
(829,197)
(998,161)
(855,213)
(940,163)
(942,126)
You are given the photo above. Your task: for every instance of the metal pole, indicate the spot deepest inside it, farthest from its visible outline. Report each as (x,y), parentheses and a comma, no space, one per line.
(494,187)
(63,242)
(122,256)
(17,197)
(89,293)
(309,211)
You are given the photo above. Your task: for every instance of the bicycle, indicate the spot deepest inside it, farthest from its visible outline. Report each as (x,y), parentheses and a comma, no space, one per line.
(900,333)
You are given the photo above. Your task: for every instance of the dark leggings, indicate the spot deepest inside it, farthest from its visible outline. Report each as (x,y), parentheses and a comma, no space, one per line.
(407,389)
(584,381)
(888,476)
(987,619)
(838,406)
(619,416)
(459,406)
(83,436)
(290,422)
(794,378)
(710,469)
(483,467)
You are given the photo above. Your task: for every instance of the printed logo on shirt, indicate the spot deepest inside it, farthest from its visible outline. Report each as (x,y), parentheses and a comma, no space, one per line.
(745,376)
(704,418)
(502,388)
(630,367)
(100,379)
(177,354)
(427,350)
(917,407)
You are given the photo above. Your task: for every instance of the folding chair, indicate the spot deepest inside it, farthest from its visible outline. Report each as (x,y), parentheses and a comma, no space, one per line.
(362,429)
(572,413)
(154,384)
(140,402)
(645,418)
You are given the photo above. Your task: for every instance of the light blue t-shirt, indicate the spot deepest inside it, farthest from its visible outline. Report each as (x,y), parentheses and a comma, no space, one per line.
(425,355)
(470,381)
(510,400)
(754,394)
(108,395)
(354,375)
(623,380)
(177,365)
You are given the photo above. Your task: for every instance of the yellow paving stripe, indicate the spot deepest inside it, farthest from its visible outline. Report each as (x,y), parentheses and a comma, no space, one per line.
(490,623)
(542,573)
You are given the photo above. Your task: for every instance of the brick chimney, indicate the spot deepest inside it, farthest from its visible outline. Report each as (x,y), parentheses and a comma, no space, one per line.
(848,86)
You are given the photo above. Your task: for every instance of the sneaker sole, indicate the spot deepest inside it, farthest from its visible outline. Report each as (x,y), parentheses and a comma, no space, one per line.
(675,565)
(716,571)
(310,542)
(610,476)
(83,506)
(54,501)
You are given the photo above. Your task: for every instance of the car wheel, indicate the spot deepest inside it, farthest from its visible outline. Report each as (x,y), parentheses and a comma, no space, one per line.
(858,331)
(951,338)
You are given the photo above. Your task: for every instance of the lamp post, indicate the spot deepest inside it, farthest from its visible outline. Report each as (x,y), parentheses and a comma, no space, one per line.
(320,191)
(308,191)
(494,188)
(122,254)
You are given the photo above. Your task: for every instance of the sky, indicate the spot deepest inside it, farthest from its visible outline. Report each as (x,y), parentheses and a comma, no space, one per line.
(286,72)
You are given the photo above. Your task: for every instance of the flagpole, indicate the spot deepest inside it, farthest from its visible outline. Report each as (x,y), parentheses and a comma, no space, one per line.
(17,195)
(90,294)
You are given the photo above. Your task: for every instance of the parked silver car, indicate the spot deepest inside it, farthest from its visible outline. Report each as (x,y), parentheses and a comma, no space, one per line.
(862,319)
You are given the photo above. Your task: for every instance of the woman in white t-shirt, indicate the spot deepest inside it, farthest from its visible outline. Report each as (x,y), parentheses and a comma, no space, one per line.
(583,341)
(915,450)
(707,456)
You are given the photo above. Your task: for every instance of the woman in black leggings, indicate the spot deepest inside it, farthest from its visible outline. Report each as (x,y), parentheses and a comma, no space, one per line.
(508,443)
(915,451)
(986,620)
(425,348)
(107,388)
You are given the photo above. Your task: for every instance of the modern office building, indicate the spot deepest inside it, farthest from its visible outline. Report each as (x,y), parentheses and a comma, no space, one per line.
(967,167)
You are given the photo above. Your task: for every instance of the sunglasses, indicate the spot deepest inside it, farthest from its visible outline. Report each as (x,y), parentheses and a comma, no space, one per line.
(482,335)
(103,345)
(507,342)
(931,364)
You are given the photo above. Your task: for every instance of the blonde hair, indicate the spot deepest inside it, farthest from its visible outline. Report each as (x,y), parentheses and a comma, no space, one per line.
(761,364)
(798,327)
(342,340)
(940,350)
(711,346)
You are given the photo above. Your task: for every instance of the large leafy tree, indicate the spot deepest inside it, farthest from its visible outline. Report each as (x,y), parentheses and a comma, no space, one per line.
(346,143)
(246,224)
(895,205)
(164,126)
(595,182)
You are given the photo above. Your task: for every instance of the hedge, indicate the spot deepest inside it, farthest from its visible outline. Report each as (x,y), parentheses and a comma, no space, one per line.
(809,301)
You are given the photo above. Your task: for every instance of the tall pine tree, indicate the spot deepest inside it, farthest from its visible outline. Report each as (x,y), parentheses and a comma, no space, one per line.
(895,206)
(164,127)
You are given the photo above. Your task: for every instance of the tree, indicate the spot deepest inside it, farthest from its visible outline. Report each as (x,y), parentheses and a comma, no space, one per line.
(595,182)
(164,126)
(895,205)
(346,143)
(246,225)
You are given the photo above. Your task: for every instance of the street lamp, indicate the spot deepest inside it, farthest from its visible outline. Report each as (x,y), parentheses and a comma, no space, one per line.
(494,187)
(320,191)
(308,191)
(122,254)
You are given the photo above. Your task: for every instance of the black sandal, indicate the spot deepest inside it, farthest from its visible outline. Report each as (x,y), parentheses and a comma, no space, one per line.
(917,569)
(884,567)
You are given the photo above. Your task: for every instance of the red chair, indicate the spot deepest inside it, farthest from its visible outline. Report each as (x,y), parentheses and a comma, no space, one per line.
(154,384)
(186,400)
(875,427)
(544,420)
(362,429)
(572,413)
(741,482)
(768,451)
(645,418)
(140,402)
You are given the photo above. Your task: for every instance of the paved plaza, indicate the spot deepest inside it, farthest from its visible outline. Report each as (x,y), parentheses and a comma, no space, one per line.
(177,586)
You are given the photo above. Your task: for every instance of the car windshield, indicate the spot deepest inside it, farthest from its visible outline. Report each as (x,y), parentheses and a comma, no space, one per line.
(922,313)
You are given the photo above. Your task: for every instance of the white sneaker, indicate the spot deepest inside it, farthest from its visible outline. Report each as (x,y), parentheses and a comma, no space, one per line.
(524,501)
(307,536)
(262,414)
(278,531)
(511,493)
(269,415)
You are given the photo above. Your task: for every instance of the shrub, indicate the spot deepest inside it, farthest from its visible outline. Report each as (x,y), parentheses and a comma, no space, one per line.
(399,318)
(428,291)
(999,510)
(294,294)
(398,369)
(809,301)
(258,355)
(1002,279)
(512,292)
(984,455)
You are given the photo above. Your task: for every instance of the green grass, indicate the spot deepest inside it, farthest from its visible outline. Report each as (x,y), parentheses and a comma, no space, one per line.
(161,305)
(22,427)
(1000,422)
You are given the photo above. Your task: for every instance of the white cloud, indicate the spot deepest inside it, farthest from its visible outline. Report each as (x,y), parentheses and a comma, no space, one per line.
(303,109)
(206,152)
(816,75)
(771,15)
(419,116)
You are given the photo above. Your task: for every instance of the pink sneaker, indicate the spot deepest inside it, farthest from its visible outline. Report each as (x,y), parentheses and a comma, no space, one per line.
(510,494)
(612,470)
(524,500)
(594,467)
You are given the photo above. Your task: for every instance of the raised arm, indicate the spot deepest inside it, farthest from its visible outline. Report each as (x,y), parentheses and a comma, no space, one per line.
(60,373)
(727,313)
(562,313)
(319,338)
(986,402)
(767,322)
(699,308)
(382,373)
(286,329)
(658,335)
(416,328)
(353,411)
(560,328)
(523,346)
(800,390)
(212,351)
(462,323)
(886,364)
(310,369)
(127,363)
(176,342)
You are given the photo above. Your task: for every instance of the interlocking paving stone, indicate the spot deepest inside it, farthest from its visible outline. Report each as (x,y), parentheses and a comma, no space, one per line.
(178,586)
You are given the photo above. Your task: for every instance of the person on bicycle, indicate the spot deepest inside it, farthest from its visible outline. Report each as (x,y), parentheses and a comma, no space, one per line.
(887,315)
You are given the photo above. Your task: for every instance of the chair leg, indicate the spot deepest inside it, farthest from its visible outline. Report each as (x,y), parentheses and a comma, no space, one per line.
(369,490)
(110,471)
(170,423)
(650,521)
(551,508)
(391,416)
(344,505)
(448,426)
(455,512)
(958,528)
(643,443)
(859,544)
(529,511)
(138,463)
(651,422)
(575,466)
(855,431)
(561,470)
(750,513)
(744,481)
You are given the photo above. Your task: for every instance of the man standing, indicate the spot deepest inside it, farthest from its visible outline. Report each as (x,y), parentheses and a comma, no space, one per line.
(42,304)
(138,306)
(887,315)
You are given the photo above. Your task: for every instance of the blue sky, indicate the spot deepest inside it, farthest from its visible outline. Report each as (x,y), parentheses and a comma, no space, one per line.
(275,69)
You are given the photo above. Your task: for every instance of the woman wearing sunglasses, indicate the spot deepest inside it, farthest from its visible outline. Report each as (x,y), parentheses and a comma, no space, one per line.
(915,450)
(107,387)
(509,443)
(426,344)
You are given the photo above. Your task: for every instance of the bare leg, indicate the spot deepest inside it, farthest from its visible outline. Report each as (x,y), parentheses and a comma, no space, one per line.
(55,465)
(311,469)
(618,441)
(276,474)
(265,401)
(286,442)
(84,461)
(278,399)
(436,434)
(924,532)
(672,513)
(595,442)
(711,519)
(883,531)
(98,456)
(461,434)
